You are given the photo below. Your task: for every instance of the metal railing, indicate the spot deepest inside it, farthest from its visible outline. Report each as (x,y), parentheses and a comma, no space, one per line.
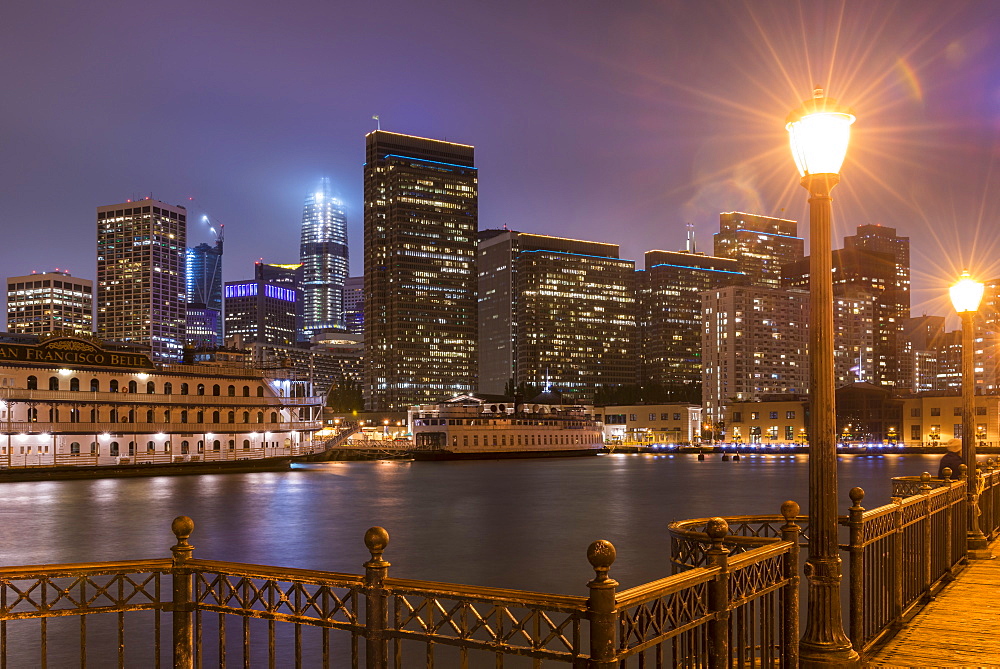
(900,553)
(737,610)
(733,603)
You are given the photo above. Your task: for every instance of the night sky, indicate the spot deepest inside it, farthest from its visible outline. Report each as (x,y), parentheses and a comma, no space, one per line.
(608,121)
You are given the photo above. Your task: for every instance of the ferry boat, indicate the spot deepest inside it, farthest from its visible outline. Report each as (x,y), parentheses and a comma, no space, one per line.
(479,426)
(77,402)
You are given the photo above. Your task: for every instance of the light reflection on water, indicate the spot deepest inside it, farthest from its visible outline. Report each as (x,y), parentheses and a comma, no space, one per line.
(522,524)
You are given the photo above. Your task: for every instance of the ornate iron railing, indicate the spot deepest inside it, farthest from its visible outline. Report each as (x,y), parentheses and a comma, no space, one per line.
(689,540)
(899,553)
(734,611)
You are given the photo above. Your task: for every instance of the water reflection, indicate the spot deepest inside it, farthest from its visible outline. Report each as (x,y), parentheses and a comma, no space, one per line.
(519,523)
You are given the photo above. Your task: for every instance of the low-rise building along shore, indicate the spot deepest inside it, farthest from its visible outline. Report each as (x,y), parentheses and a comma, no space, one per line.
(77,401)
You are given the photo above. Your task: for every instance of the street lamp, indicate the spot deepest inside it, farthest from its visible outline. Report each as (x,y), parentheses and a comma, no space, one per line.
(819,132)
(965,297)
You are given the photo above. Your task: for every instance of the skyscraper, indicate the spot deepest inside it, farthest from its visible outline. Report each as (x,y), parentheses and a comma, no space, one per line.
(354,304)
(669,316)
(323,254)
(141,294)
(554,311)
(879,274)
(204,294)
(755,343)
(49,302)
(893,307)
(263,310)
(421,217)
(760,244)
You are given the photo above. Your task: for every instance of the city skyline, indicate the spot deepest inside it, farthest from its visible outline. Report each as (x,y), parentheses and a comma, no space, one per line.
(593,123)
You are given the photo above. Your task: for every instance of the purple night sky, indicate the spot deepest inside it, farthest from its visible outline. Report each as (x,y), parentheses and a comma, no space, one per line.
(609,121)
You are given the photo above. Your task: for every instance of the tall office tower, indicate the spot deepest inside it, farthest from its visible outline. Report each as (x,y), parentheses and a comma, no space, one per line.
(354,304)
(421,217)
(761,245)
(949,362)
(141,295)
(323,254)
(988,339)
(894,304)
(876,274)
(554,311)
(669,314)
(204,295)
(755,343)
(50,302)
(920,342)
(263,310)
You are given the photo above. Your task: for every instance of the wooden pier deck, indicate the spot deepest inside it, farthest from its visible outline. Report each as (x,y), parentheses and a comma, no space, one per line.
(958,629)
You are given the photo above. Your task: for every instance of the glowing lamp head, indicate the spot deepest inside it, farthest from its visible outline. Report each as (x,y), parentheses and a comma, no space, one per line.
(966,293)
(819,132)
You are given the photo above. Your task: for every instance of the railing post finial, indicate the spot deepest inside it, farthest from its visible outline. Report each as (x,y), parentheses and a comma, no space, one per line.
(963,471)
(856,494)
(182,527)
(946,473)
(601,554)
(717,529)
(376,540)
(925,482)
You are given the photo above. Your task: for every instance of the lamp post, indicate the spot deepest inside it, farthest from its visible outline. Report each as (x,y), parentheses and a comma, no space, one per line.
(819,132)
(965,297)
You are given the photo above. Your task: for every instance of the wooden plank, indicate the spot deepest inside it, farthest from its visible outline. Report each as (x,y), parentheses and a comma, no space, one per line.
(958,628)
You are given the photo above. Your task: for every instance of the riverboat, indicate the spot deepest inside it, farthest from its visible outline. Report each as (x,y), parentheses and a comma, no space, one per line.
(75,401)
(479,427)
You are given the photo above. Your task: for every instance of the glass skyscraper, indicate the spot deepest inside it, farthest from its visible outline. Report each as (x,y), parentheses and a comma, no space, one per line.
(204,294)
(323,254)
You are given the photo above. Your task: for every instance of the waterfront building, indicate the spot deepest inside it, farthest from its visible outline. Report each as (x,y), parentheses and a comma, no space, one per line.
(878,274)
(264,309)
(555,312)
(669,314)
(141,268)
(73,400)
(755,343)
(354,305)
(761,245)
(204,295)
(324,257)
(336,358)
(931,419)
(866,414)
(50,302)
(649,424)
(778,420)
(421,217)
